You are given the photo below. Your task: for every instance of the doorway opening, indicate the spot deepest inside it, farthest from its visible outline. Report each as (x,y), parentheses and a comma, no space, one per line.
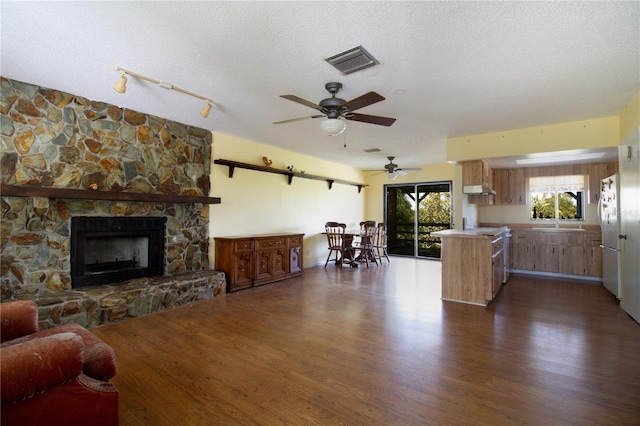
(412,212)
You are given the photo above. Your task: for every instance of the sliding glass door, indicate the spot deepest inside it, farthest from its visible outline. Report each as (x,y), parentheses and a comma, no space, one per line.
(412,212)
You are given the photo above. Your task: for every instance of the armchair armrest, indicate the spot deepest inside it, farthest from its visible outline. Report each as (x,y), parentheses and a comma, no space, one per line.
(18,318)
(31,367)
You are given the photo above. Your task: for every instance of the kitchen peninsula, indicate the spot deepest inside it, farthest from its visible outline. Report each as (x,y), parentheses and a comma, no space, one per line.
(473,264)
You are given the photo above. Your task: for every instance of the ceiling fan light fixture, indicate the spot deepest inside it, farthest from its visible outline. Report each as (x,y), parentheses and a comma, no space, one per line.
(392,175)
(333,126)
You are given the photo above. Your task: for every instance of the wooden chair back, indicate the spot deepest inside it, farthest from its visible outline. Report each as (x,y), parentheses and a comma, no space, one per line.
(335,234)
(381,236)
(365,223)
(380,245)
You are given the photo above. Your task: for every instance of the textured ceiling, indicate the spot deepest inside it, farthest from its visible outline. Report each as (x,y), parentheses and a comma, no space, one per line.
(447,69)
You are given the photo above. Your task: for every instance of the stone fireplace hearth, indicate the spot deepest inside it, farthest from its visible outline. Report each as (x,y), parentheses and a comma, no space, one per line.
(128,164)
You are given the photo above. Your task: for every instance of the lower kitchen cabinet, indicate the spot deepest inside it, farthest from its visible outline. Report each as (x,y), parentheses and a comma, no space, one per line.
(563,252)
(545,253)
(571,260)
(521,251)
(249,261)
(593,255)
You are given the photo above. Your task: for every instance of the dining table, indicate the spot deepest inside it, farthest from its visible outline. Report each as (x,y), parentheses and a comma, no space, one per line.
(350,250)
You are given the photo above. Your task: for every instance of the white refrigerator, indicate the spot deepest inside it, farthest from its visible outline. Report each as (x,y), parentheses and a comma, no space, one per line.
(609,215)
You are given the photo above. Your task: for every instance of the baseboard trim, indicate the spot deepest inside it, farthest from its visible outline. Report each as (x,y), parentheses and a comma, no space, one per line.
(555,275)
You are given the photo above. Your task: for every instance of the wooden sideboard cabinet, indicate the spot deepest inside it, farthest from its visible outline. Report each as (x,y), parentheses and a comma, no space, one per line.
(254,260)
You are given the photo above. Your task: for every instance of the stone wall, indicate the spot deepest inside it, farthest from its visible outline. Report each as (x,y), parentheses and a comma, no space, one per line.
(56,139)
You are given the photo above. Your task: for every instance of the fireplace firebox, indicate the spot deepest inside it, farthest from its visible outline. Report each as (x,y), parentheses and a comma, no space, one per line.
(111,250)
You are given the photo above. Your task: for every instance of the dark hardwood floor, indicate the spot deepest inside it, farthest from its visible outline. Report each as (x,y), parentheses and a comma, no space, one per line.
(378,346)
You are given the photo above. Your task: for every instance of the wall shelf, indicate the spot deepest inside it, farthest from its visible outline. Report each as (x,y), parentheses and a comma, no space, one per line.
(84,194)
(290,175)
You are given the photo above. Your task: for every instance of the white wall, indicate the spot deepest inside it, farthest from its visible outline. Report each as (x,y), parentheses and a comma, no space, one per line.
(260,203)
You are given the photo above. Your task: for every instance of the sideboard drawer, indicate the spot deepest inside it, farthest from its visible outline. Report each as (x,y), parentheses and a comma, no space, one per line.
(243,245)
(272,243)
(295,241)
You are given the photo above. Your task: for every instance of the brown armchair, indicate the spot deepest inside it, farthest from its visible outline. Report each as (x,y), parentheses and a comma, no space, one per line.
(56,376)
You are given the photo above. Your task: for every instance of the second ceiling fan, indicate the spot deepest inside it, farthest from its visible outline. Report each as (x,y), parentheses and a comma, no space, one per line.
(335,109)
(393,171)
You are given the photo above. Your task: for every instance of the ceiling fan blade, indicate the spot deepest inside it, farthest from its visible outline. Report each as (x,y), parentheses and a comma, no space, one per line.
(363,101)
(410,169)
(401,172)
(294,98)
(291,120)
(372,119)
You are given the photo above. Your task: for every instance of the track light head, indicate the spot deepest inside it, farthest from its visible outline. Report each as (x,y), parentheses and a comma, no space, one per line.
(121,85)
(205,111)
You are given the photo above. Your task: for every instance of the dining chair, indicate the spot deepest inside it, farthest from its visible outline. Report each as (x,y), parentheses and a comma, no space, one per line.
(362,230)
(380,244)
(335,238)
(367,240)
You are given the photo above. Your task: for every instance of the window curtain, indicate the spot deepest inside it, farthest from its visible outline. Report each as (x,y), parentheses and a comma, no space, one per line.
(573,183)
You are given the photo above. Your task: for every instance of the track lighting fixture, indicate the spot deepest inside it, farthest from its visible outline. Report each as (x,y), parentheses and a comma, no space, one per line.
(121,87)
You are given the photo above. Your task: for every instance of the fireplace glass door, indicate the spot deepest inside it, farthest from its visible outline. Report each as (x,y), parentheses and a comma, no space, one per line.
(111,250)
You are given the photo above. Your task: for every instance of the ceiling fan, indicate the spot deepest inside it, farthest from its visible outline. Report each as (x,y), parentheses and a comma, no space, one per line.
(393,171)
(335,109)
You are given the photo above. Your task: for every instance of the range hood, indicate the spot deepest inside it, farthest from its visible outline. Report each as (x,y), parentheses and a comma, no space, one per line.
(477,190)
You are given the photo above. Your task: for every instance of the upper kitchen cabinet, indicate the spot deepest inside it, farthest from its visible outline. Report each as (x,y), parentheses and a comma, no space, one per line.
(476,173)
(476,182)
(510,186)
(517,186)
(501,186)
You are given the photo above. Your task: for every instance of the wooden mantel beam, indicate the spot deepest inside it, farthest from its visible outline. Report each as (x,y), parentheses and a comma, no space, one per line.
(85,194)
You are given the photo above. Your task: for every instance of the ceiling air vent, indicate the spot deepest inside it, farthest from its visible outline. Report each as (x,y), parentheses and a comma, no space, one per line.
(352,60)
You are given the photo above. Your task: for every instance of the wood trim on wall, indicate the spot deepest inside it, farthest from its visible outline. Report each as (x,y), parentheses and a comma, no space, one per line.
(48,192)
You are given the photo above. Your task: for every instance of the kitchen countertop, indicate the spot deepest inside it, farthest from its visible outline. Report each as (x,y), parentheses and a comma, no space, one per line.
(470,233)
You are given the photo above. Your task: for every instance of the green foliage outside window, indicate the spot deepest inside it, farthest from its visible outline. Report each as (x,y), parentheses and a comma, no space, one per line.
(543,205)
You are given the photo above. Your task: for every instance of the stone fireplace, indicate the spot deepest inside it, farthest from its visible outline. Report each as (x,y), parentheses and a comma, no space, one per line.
(64,158)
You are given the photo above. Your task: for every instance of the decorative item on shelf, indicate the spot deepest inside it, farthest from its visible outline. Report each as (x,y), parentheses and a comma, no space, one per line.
(94,186)
(267,162)
(121,87)
(302,171)
(290,168)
